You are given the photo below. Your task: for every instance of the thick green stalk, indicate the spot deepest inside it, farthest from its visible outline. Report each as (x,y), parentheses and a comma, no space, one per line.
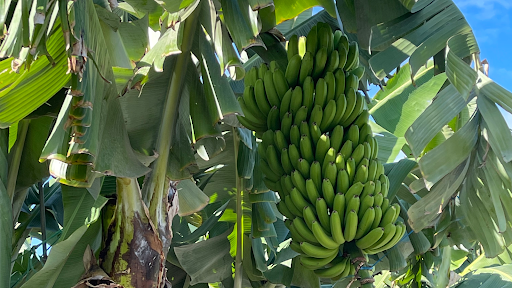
(15,157)
(358,259)
(6,225)
(239,212)
(154,191)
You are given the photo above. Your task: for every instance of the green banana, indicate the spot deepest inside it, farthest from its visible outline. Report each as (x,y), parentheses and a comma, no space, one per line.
(359,72)
(375,148)
(251,76)
(292,70)
(308,91)
(302,46)
(294,155)
(331,172)
(361,174)
(261,98)
(322,146)
(296,237)
(346,149)
(317,251)
(273,120)
(295,211)
(309,216)
(293,47)
(280,140)
(306,68)
(285,161)
(335,270)
(272,185)
(250,102)
(378,217)
(328,192)
(336,230)
(366,203)
(337,137)
(322,237)
(304,129)
(353,135)
(330,156)
(372,170)
(262,151)
(286,124)
(350,226)
(320,92)
(296,101)
(355,190)
(325,36)
(399,233)
(343,43)
(358,153)
(323,214)
(269,173)
(285,191)
(315,172)
(365,223)
(270,89)
(364,131)
(339,76)
(353,204)
(342,52)
(312,40)
(342,181)
(397,213)
(315,263)
(315,132)
(369,189)
(370,238)
(351,97)
(351,82)
(379,198)
(378,188)
(340,162)
(304,231)
(303,168)
(295,135)
(288,184)
(262,70)
(333,62)
(312,190)
(274,66)
(281,206)
(300,184)
(385,205)
(388,216)
(351,168)
(389,233)
(300,116)
(284,107)
(352,57)
(330,80)
(337,36)
(328,115)
(320,61)
(306,149)
(295,246)
(280,83)
(363,119)
(273,161)
(249,116)
(339,206)
(316,115)
(358,109)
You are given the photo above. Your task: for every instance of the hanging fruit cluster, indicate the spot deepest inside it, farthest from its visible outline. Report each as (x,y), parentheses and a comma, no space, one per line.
(318,152)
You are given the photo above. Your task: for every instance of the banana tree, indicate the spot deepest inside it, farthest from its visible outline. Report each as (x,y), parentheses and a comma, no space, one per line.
(136,135)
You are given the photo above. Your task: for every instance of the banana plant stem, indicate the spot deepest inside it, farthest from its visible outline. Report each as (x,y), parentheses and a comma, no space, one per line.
(239,225)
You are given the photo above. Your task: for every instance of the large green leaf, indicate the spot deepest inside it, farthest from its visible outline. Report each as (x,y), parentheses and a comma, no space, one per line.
(241,22)
(397,112)
(23,92)
(288,9)
(191,198)
(445,157)
(427,209)
(497,276)
(288,25)
(459,72)
(397,175)
(389,144)
(444,108)
(6,227)
(500,137)
(59,254)
(216,253)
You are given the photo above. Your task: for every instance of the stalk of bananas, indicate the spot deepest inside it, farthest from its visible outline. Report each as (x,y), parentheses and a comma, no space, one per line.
(319,154)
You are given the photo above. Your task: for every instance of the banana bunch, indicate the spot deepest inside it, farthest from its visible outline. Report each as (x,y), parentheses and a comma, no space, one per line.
(318,152)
